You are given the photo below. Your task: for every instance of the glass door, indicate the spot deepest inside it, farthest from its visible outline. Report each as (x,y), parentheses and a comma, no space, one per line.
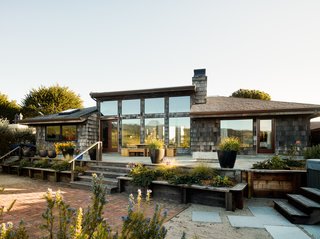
(265,136)
(109,135)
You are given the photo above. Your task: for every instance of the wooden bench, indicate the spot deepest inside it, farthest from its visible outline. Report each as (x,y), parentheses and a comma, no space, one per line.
(136,152)
(228,197)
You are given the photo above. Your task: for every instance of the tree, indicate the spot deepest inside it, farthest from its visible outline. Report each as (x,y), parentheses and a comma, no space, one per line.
(8,109)
(252,94)
(50,100)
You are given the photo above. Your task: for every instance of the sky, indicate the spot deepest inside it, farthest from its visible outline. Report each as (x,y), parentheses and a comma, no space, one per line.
(103,46)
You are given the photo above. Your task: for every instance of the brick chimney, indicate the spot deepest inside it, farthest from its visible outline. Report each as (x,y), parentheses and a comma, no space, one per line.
(199,80)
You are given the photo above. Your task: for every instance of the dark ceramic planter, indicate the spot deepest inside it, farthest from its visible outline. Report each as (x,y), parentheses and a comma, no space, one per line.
(227,159)
(68,152)
(43,153)
(52,154)
(93,154)
(157,155)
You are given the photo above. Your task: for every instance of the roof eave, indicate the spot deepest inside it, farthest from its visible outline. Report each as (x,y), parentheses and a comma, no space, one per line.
(53,121)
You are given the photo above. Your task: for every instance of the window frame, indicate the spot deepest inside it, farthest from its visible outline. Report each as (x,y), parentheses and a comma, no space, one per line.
(60,136)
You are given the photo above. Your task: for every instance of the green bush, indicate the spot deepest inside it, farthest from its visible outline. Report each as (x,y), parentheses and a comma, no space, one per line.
(276,162)
(221,181)
(142,176)
(42,163)
(203,172)
(25,163)
(312,152)
(229,144)
(62,165)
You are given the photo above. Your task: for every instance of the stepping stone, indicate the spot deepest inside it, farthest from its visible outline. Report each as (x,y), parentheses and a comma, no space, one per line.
(313,230)
(245,221)
(282,232)
(212,217)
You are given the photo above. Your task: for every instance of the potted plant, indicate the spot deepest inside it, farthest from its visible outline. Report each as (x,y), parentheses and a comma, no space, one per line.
(227,153)
(157,151)
(66,148)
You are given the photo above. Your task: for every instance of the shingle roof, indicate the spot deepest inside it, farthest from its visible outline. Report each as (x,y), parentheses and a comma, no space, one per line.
(74,117)
(219,106)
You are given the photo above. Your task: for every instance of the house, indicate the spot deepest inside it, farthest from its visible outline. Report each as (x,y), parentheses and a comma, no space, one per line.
(315,132)
(185,118)
(78,125)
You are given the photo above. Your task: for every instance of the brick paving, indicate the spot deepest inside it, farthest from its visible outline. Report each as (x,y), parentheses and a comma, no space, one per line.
(30,203)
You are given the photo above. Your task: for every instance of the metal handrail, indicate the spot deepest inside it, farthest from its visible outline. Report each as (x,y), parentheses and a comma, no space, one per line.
(16,148)
(99,143)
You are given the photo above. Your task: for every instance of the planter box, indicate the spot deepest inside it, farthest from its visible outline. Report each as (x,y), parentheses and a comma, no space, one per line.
(230,198)
(273,183)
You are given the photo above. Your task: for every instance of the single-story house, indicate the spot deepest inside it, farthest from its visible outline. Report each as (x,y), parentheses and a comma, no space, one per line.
(77,125)
(184,117)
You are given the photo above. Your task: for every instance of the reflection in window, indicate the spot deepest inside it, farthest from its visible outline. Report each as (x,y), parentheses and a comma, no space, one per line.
(109,108)
(61,132)
(154,128)
(179,104)
(265,134)
(154,105)
(130,107)
(53,132)
(242,129)
(69,132)
(130,132)
(179,132)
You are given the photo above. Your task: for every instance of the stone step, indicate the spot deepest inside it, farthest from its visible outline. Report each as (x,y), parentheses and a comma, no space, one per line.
(102,163)
(311,193)
(290,212)
(109,168)
(88,186)
(107,174)
(303,203)
(107,181)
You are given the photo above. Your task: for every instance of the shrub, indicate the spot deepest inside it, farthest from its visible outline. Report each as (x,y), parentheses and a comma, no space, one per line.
(155,144)
(142,176)
(62,165)
(229,144)
(222,181)
(276,162)
(203,172)
(42,163)
(312,152)
(25,163)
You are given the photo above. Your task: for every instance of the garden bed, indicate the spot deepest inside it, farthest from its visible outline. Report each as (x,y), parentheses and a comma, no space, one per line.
(228,197)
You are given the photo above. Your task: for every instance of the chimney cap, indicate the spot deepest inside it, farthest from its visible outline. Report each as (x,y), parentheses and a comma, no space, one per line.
(199,72)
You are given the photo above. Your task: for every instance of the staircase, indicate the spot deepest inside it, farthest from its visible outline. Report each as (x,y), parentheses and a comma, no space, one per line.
(109,171)
(301,208)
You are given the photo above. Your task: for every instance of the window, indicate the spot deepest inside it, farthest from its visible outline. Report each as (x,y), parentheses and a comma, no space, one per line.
(179,132)
(179,104)
(130,132)
(130,107)
(242,129)
(154,128)
(61,133)
(109,108)
(154,106)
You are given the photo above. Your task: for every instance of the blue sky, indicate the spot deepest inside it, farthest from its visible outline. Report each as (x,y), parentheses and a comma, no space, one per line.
(97,46)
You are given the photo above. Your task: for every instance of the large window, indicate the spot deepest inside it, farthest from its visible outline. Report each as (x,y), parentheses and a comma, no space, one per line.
(179,132)
(242,129)
(130,107)
(179,104)
(154,128)
(154,105)
(109,108)
(130,132)
(61,132)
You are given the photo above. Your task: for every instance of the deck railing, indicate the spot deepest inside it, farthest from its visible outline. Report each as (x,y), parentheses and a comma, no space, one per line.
(10,152)
(98,146)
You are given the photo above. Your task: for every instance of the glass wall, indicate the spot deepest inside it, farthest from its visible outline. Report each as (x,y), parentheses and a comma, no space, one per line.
(265,134)
(179,104)
(130,107)
(242,129)
(154,106)
(130,132)
(179,132)
(109,108)
(154,128)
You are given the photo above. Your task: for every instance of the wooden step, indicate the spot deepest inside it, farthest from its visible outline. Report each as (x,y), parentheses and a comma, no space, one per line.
(107,181)
(290,212)
(109,168)
(107,174)
(303,203)
(312,193)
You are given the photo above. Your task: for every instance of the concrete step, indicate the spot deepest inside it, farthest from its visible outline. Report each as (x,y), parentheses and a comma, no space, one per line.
(88,186)
(102,163)
(105,174)
(107,181)
(109,169)
(311,193)
(303,203)
(290,212)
